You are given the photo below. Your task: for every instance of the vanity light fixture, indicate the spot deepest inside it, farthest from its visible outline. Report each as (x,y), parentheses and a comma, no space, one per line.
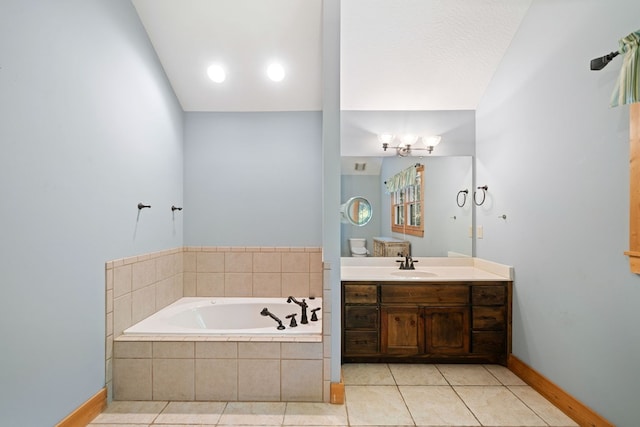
(406,145)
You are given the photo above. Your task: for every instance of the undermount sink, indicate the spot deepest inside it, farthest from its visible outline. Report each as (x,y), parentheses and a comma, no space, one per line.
(413,273)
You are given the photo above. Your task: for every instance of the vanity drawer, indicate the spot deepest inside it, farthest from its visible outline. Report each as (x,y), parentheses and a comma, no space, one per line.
(426,294)
(489,318)
(360,317)
(488,342)
(360,294)
(360,342)
(488,295)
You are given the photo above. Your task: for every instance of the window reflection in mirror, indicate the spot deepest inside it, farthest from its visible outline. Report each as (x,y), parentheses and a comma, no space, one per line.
(407,206)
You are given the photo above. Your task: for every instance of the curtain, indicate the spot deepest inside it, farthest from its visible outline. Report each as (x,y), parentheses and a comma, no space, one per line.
(402,179)
(627,90)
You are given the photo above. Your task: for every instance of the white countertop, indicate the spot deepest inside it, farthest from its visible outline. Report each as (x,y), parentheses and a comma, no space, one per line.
(427,269)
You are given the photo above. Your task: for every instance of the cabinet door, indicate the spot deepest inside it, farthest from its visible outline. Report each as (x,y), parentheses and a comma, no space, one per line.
(401,330)
(446,330)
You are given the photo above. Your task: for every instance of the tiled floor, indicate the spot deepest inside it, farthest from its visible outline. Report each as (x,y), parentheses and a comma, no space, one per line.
(376,395)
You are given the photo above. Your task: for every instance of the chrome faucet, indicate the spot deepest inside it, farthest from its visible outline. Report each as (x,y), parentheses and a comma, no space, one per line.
(303,305)
(407,264)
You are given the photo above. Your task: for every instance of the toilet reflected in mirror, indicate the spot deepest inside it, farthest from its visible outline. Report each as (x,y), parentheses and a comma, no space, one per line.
(356,211)
(358,247)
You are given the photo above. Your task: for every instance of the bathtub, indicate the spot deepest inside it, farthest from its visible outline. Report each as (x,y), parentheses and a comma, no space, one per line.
(213,316)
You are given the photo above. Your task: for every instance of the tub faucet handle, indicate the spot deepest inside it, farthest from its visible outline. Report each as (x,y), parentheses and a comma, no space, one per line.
(293,323)
(314,316)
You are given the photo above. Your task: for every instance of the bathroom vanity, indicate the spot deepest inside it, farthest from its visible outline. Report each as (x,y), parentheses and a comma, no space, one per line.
(447,310)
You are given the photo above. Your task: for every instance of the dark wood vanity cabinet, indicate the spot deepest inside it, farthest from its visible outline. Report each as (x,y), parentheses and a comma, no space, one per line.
(427,321)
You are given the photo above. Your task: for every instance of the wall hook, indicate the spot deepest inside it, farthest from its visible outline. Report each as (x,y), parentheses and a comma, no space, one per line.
(484,189)
(464,197)
(142,206)
(175,208)
(503,216)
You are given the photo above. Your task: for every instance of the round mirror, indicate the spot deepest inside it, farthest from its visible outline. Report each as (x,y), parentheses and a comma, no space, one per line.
(356,211)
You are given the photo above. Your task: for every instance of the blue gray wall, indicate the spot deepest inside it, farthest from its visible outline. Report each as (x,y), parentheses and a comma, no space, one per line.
(89,127)
(253,179)
(555,158)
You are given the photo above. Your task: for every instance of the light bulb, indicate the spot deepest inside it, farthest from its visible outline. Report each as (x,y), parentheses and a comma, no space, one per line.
(432,141)
(216,73)
(409,139)
(275,72)
(385,138)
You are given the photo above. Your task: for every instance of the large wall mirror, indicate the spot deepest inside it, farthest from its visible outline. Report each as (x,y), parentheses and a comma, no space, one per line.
(446,172)
(447,225)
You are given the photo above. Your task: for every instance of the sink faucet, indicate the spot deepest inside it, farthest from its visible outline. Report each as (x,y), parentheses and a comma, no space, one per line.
(304,305)
(407,264)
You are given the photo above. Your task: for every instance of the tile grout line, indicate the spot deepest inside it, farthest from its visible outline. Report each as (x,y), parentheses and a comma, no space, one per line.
(529,407)
(166,405)
(402,397)
(458,395)
(517,397)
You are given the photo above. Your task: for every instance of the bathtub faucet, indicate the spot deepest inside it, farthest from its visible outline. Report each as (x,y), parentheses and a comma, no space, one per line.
(304,305)
(266,312)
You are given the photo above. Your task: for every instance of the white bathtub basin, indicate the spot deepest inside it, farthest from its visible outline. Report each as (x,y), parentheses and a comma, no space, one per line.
(215,316)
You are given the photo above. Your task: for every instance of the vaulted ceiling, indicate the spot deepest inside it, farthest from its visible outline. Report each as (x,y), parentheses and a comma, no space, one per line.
(395,54)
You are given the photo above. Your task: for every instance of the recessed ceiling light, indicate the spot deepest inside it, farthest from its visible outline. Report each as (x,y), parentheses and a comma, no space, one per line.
(216,73)
(275,71)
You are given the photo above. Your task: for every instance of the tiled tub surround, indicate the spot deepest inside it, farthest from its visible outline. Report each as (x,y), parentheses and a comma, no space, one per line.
(137,287)
(219,371)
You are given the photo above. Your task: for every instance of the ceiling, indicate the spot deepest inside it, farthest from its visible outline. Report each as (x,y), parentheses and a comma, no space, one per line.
(395,54)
